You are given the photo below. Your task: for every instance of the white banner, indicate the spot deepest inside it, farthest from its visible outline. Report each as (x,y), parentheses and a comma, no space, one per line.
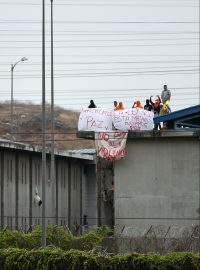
(97,119)
(111,145)
(133,119)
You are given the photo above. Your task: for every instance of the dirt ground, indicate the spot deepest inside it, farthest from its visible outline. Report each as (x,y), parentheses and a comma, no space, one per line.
(27,125)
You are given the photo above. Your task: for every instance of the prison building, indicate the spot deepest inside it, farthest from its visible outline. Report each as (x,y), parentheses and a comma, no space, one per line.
(158,182)
(21,176)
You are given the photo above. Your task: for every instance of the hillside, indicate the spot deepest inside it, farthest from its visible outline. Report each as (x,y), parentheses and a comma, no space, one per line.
(28,124)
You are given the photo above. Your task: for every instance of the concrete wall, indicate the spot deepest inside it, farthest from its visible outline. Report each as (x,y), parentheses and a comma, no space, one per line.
(36,175)
(89,196)
(63,175)
(9,184)
(104,180)
(23,186)
(97,199)
(76,172)
(158,183)
(21,173)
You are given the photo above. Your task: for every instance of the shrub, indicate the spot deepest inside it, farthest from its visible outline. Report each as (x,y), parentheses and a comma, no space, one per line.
(55,235)
(91,239)
(78,260)
(10,238)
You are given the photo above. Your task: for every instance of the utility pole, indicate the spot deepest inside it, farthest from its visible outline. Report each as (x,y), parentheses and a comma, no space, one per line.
(52,118)
(43,242)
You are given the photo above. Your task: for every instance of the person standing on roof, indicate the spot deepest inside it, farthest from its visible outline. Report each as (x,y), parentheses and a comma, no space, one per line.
(115,105)
(138,104)
(92,105)
(120,107)
(156,109)
(148,106)
(166,96)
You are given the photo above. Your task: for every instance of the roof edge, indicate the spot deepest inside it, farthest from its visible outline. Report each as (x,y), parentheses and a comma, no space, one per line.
(147,134)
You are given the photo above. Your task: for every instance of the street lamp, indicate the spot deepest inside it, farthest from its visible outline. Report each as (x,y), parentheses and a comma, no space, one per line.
(11,105)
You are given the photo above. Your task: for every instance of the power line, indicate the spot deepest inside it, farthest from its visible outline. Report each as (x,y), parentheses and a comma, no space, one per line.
(112,62)
(105,55)
(114,73)
(99,40)
(99,69)
(153,73)
(102,32)
(114,89)
(104,4)
(107,95)
(127,96)
(110,102)
(100,22)
(101,46)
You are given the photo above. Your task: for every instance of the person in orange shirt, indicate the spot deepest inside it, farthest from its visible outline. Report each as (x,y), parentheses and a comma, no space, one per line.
(120,107)
(138,104)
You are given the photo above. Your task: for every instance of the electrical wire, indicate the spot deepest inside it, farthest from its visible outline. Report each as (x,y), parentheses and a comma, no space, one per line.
(124,97)
(112,62)
(98,40)
(96,32)
(101,46)
(103,55)
(96,22)
(98,69)
(105,4)
(66,91)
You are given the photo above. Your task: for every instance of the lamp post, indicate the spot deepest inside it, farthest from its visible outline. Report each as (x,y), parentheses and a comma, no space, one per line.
(11,103)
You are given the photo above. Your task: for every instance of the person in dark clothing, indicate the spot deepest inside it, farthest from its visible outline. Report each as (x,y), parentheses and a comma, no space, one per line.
(92,105)
(115,105)
(148,106)
(156,108)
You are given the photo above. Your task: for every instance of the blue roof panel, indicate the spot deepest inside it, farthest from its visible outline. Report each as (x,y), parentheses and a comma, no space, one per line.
(177,114)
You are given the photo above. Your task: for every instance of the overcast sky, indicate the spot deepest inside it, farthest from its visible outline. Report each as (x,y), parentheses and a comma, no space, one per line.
(104,50)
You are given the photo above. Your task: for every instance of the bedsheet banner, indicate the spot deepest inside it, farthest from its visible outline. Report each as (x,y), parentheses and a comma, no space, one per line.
(97,119)
(111,145)
(133,119)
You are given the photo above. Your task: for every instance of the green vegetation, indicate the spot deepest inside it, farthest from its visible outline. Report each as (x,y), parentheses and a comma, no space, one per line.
(56,236)
(66,252)
(20,259)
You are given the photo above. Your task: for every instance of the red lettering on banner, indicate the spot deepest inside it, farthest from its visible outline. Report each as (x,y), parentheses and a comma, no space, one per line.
(103,136)
(119,135)
(111,143)
(107,153)
(110,146)
(100,149)
(97,111)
